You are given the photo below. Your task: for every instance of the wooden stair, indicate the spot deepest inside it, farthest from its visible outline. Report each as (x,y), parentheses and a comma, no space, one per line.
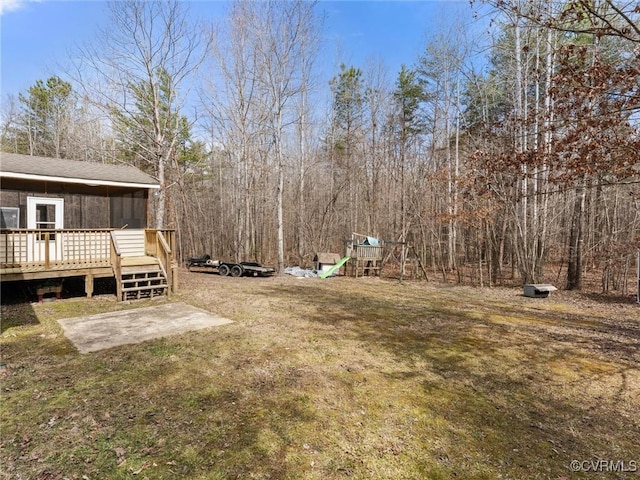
(142,277)
(138,274)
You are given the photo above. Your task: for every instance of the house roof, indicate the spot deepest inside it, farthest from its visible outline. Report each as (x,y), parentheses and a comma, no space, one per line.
(327,258)
(27,167)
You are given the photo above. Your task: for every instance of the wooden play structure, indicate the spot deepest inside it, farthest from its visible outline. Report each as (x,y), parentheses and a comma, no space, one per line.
(366,254)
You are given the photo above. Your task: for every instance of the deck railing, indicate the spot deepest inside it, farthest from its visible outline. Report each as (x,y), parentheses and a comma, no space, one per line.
(161,244)
(53,248)
(39,254)
(49,249)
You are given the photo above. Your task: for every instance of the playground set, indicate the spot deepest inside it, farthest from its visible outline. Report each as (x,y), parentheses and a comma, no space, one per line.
(364,254)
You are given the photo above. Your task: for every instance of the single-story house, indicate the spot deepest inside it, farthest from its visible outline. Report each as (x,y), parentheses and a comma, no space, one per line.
(63,218)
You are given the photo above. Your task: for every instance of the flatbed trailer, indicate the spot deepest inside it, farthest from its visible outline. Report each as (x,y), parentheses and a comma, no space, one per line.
(248,269)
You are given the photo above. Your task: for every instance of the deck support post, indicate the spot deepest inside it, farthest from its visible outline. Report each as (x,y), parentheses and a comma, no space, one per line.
(88,285)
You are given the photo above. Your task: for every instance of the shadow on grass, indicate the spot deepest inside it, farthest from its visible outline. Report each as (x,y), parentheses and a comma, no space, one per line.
(611,298)
(17,298)
(17,316)
(460,392)
(16,309)
(201,417)
(519,395)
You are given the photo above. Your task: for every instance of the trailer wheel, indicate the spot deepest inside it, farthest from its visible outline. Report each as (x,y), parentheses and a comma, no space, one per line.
(236,271)
(223,270)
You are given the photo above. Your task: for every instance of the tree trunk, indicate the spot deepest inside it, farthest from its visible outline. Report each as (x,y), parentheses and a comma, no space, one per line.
(574,272)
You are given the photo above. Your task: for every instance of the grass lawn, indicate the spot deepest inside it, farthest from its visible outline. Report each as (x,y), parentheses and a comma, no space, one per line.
(334,379)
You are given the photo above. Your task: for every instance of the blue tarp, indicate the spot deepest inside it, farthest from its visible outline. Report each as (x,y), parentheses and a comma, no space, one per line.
(374,242)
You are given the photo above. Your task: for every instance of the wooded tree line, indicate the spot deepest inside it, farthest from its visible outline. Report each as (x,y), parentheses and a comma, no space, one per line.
(523,169)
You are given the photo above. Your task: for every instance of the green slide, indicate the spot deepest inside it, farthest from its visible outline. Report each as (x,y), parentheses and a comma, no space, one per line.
(335,268)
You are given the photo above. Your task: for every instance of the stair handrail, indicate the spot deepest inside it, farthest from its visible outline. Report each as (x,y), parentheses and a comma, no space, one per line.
(163,252)
(116,264)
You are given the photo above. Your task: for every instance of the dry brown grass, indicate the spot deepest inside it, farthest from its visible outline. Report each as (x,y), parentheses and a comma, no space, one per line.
(340,378)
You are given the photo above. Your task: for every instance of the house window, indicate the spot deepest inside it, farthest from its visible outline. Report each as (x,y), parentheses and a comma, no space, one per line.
(45,217)
(45,213)
(128,210)
(9,217)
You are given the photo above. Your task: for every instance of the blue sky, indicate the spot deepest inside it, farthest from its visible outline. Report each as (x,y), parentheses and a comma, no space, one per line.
(36,36)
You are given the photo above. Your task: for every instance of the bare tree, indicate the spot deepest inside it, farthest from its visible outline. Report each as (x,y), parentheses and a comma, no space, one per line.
(286,29)
(258,111)
(138,73)
(9,124)
(570,98)
(440,68)
(237,124)
(309,45)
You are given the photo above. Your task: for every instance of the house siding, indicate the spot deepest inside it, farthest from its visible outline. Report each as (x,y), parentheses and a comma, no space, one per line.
(85,207)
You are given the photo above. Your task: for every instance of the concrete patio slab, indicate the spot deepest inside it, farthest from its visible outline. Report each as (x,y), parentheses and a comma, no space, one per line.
(105,330)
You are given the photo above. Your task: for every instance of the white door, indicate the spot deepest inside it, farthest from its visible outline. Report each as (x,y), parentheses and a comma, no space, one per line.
(45,214)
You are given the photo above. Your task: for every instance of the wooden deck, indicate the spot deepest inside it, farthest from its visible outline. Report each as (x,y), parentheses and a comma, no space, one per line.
(55,271)
(55,254)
